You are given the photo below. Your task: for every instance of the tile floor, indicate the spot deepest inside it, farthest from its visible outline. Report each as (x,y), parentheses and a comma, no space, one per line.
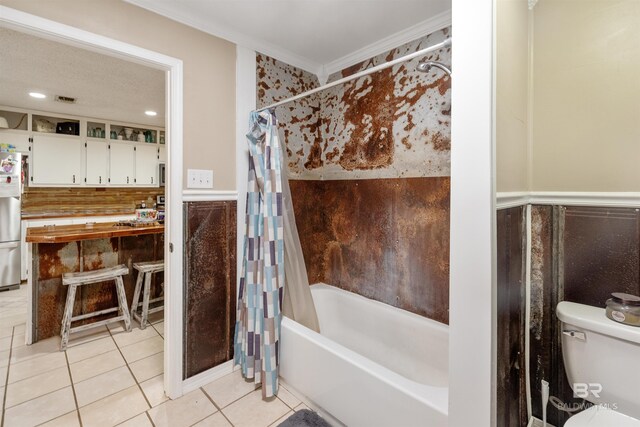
(108,377)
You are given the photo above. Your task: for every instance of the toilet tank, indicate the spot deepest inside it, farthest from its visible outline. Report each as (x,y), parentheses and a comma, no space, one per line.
(601,357)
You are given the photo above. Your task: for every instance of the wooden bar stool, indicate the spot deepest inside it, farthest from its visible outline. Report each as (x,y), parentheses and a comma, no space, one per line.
(74,280)
(145,270)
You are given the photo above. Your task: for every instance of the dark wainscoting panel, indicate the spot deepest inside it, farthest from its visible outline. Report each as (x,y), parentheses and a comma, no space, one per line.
(580,254)
(385,239)
(511,373)
(209,284)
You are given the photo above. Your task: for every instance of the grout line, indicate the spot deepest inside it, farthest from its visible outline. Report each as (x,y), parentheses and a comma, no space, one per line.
(131,372)
(149,417)
(216,406)
(73,389)
(60,416)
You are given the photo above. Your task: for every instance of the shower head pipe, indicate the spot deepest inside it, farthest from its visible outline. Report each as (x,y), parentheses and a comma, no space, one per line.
(424,67)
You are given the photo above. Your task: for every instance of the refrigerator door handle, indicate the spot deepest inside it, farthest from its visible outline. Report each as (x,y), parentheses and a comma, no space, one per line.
(9,245)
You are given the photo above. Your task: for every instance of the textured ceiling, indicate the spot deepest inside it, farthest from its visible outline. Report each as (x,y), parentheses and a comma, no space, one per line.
(317,32)
(105,87)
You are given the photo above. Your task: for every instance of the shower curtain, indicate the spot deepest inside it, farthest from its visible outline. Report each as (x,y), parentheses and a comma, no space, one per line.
(260,296)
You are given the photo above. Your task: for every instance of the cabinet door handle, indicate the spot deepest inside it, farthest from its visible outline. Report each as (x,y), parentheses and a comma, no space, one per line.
(127,180)
(100,179)
(152,180)
(74,179)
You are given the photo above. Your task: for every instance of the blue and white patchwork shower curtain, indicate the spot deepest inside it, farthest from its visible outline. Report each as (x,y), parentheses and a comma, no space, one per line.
(258,314)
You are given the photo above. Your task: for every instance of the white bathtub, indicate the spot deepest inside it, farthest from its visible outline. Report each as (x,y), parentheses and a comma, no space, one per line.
(373,364)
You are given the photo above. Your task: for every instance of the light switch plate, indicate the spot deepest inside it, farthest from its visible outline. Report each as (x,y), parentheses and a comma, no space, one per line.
(199,178)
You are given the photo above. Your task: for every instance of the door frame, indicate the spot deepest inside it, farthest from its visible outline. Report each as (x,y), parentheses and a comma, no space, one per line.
(173,67)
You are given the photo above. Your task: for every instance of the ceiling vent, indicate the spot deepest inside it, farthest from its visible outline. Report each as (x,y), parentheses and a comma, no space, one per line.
(65,99)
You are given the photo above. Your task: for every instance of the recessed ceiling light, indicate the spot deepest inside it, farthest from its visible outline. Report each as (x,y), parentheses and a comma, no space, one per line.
(37,95)
(150,113)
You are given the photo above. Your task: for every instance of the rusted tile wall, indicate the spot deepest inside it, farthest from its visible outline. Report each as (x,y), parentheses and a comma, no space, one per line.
(386,239)
(511,374)
(370,162)
(67,201)
(580,254)
(51,261)
(209,284)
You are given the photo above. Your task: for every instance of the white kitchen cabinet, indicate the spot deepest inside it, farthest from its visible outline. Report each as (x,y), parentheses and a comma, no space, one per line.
(56,160)
(162,154)
(19,139)
(121,164)
(147,165)
(97,162)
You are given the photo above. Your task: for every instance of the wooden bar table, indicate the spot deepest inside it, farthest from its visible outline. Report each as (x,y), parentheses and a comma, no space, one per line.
(55,250)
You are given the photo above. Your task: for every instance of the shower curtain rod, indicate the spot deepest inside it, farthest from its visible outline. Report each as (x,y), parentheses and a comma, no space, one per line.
(368,71)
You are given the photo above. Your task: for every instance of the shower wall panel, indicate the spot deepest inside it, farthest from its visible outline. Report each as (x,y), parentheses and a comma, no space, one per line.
(370,163)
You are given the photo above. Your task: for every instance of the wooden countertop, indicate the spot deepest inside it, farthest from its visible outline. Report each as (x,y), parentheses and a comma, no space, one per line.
(72,233)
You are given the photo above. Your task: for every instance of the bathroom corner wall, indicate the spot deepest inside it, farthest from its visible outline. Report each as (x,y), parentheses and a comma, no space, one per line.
(369,174)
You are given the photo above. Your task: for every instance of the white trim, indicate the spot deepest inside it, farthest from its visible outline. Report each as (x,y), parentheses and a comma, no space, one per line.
(511,200)
(421,29)
(229,34)
(569,198)
(41,27)
(245,103)
(204,378)
(473,218)
(208,195)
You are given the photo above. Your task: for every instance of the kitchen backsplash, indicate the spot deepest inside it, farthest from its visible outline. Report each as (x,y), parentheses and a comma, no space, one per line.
(50,201)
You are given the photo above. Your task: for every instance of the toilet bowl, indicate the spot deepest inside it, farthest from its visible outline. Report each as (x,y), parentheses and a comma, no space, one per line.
(601,361)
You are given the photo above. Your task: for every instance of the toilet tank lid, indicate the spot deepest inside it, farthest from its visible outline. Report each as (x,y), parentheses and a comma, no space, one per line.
(595,319)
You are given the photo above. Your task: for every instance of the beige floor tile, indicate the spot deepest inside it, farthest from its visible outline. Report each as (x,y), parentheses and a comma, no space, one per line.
(159,327)
(37,386)
(19,340)
(300,407)
(252,411)
(289,399)
(39,365)
(96,365)
(79,338)
(114,409)
(215,420)
(41,348)
(141,420)
(68,420)
(182,412)
(282,418)
(4,358)
(41,409)
(20,329)
(154,390)
(142,349)
(103,385)
(5,343)
(6,331)
(3,374)
(123,338)
(149,367)
(228,389)
(90,349)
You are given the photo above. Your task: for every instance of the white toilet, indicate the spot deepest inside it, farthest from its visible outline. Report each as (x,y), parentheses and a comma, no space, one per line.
(602,361)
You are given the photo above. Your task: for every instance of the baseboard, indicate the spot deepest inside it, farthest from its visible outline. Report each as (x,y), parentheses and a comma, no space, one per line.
(537,422)
(506,200)
(204,378)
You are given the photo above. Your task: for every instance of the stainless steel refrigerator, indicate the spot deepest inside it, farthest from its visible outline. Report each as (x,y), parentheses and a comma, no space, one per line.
(10,190)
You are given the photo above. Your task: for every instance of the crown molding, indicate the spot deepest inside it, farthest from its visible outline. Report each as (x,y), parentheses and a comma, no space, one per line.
(230,35)
(421,29)
(569,198)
